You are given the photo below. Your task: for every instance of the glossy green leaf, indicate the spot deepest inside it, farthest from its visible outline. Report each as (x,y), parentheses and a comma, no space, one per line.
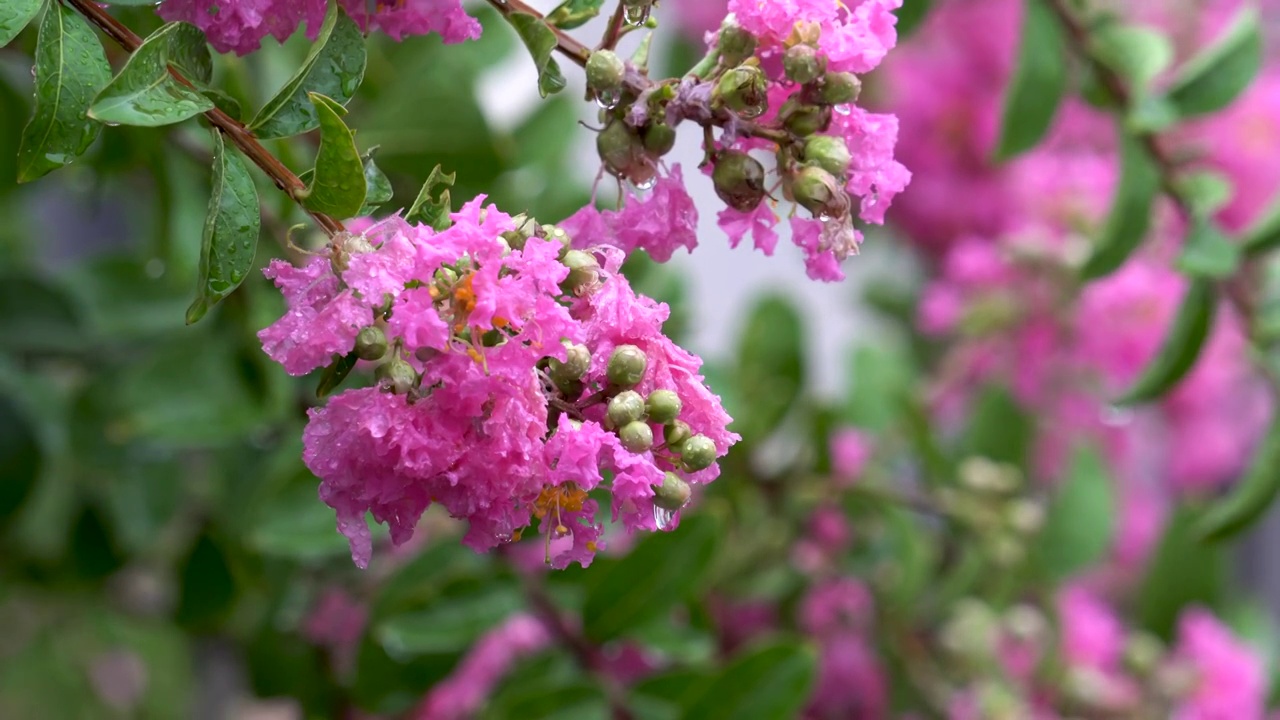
(1080,522)
(1264,233)
(998,428)
(189,53)
(541,41)
(334,67)
(293,525)
(911,15)
(230,230)
(1137,54)
(70,69)
(1039,81)
(1206,191)
(207,586)
(1180,347)
(432,206)
(1251,496)
(335,372)
(450,624)
(573,13)
(145,93)
(1215,77)
(768,682)
(1182,571)
(1130,215)
(15,15)
(770,367)
(378,190)
(662,570)
(1208,252)
(338,187)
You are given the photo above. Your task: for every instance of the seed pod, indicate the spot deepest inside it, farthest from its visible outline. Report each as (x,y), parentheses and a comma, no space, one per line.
(802,119)
(744,90)
(371,343)
(397,376)
(803,64)
(673,494)
(818,192)
(739,180)
(838,88)
(659,138)
(829,153)
(736,45)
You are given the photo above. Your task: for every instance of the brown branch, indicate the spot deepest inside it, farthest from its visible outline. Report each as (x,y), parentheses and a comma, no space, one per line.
(233,129)
(611,35)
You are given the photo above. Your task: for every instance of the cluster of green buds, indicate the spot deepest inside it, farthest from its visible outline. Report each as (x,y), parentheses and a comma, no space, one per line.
(990,500)
(627,152)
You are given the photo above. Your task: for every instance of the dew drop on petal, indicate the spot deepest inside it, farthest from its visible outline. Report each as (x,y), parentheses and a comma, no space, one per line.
(662,517)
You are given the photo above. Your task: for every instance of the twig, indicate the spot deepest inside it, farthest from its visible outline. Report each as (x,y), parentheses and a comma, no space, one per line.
(233,129)
(570,48)
(614,31)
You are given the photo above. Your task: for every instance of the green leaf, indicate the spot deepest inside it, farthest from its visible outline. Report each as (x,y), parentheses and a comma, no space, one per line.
(37,316)
(541,41)
(296,526)
(334,67)
(70,69)
(1180,348)
(1130,215)
(1212,79)
(663,569)
(208,588)
(1208,252)
(338,185)
(1206,191)
(998,429)
(1264,233)
(335,373)
(20,456)
(451,624)
(377,185)
(1137,54)
(770,368)
(1039,80)
(1251,496)
(230,230)
(1081,518)
(572,13)
(15,15)
(430,208)
(911,14)
(1182,571)
(767,682)
(145,93)
(189,53)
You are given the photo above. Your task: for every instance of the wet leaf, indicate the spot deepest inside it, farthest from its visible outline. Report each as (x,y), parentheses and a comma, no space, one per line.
(231,230)
(145,93)
(541,41)
(338,186)
(431,208)
(14,16)
(1130,215)
(1039,80)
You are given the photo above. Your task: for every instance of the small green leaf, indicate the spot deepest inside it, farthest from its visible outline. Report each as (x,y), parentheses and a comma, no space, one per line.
(1264,233)
(335,373)
(1180,348)
(450,624)
(663,569)
(998,429)
(1206,191)
(1130,215)
(377,185)
(1081,518)
(70,69)
(1212,79)
(911,15)
(768,682)
(541,41)
(1137,54)
(145,93)
(1208,252)
(1251,496)
(1039,80)
(770,367)
(230,230)
(207,584)
(189,53)
(338,186)
(1182,571)
(433,210)
(15,15)
(573,13)
(223,102)
(334,67)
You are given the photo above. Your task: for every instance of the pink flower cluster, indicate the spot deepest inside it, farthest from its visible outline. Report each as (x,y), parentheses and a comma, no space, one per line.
(240,25)
(497,364)
(464,692)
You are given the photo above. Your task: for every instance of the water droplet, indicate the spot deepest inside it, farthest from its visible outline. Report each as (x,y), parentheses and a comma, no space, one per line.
(823,217)
(154,268)
(608,99)
(636,14)
(503,537)
(1116,416)
(663,517)
(751,112)
(231,249)
(111,124)
(843,109)
(645,184)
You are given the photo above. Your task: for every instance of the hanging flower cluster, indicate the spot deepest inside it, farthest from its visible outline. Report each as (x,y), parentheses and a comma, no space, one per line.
(514,377)
(781,79)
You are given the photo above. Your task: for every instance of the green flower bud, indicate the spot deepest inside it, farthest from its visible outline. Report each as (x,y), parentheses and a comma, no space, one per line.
(397,376)
(744,90)
(626,366)
(371,343)
(577,362)
(674,493)
(839,87)
(663,406)
(1142,653)
(818,192)
(803,64)
(804,120)
(605,71)
(636,436)
(620,150)
(829,153)
(736,45)
(626,407)
(697,453)
(584,269)
(739,180)
(676,434)
(659,138)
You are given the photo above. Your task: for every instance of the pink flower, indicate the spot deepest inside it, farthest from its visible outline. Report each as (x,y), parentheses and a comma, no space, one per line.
(1092,635)
(658,224)
(463,693)
(759,222)
(1231,684)
(850,450)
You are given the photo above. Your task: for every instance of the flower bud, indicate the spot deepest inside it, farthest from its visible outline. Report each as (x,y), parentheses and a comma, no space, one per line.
(803,64)
(736,45)
(620,150)
(838,88)
(817,191)
(605,71)
(744,90)
(397,376)
(829,153)
(558,234)
(626,366)
(697,453)
(584,269)
(676,434)
(804,120)
(1142,653)
(739,180)
(1024,516)
(626,407)
(659,138)
(371,343)
(636,436)
(674,493)
(663,406)
(577,362)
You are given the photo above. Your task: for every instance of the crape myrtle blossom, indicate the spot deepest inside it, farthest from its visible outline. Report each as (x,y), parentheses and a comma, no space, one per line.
(240,25)
(515,377)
